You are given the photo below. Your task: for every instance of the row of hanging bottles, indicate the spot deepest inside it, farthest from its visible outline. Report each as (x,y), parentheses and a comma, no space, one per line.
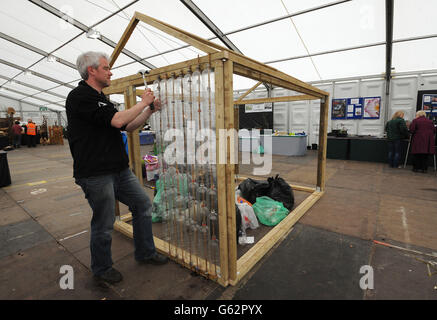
(188,207)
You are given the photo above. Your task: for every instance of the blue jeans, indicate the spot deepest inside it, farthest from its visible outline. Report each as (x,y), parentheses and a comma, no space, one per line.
(394,153)
(101,193)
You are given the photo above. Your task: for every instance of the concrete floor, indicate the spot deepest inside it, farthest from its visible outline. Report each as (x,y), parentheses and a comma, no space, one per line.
(45,224)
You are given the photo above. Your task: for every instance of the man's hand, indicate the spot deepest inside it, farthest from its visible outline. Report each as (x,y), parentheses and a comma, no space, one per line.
(157,104)
(147,97)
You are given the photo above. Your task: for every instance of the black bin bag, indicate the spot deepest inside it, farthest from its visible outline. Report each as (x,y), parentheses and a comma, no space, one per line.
(252,189)
(276,188)
(281,191)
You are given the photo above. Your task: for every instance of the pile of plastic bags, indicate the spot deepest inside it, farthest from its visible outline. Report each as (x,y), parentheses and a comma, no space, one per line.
(271,200)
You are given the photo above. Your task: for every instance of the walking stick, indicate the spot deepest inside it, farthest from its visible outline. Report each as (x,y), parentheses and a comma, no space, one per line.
(408,150)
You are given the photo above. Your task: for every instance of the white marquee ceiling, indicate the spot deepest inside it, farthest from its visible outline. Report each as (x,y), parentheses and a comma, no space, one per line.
(297,45)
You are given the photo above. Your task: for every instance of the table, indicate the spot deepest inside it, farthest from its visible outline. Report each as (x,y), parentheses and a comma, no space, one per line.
(281,145)
(4,141)
(360,148)
(147,137)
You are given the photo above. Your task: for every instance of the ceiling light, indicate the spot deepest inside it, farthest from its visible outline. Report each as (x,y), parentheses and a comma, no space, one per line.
(51,58)
(93,34)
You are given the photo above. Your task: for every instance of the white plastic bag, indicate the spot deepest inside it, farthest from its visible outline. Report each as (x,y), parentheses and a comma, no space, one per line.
(248,217)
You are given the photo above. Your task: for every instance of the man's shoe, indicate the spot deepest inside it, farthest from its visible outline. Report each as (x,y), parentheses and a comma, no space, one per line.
(111,276)
(156,259)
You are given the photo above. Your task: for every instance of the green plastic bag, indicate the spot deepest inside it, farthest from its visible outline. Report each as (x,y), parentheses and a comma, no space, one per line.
(260,149)
(268,211)
(179,183)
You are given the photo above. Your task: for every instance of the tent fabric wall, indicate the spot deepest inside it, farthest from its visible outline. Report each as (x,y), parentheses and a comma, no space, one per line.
(304,116)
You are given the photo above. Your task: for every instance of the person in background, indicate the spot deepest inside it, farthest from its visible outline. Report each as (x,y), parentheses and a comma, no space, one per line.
(422,142)
(396,130)
(31,134)
(101,165)
(16,131)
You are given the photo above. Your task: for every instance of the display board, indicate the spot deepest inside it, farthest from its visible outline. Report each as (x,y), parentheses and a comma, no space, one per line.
(249,120)
(260,107)
(372,107)
(356,108)
(429,103)
(338,109)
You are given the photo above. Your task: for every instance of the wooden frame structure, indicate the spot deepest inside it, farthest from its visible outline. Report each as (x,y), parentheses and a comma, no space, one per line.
(225,63)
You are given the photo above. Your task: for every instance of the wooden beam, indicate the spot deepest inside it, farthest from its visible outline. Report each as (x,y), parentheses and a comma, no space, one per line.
(248,91)
(276,99)
(259,76)
(139,92)
(126,217)
(124,228)
(123,40)
(187,35)
(175,32)
(251,257)
(267,74)
(118,86)
(255,65)
(190,35)
(162,246)
(323,137)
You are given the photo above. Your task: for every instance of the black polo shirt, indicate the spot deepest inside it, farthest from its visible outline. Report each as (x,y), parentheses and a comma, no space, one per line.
(96,146)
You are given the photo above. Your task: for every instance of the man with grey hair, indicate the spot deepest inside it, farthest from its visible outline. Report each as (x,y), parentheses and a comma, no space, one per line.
(101,166)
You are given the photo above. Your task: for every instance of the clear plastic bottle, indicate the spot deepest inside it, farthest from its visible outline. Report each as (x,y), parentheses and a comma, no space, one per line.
(203,239)
(202,213)
(211,198)
(181,241)
(188,236)
(214,244)
(195,242)
(166,225)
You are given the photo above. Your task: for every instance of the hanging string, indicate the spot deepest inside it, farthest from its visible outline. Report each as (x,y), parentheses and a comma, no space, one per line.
(187,218)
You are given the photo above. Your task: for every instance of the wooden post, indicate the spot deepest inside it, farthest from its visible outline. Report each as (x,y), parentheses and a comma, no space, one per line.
(133,138)
(221,170)
(127,106)
(237,127)
(230,169)
(323,137)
